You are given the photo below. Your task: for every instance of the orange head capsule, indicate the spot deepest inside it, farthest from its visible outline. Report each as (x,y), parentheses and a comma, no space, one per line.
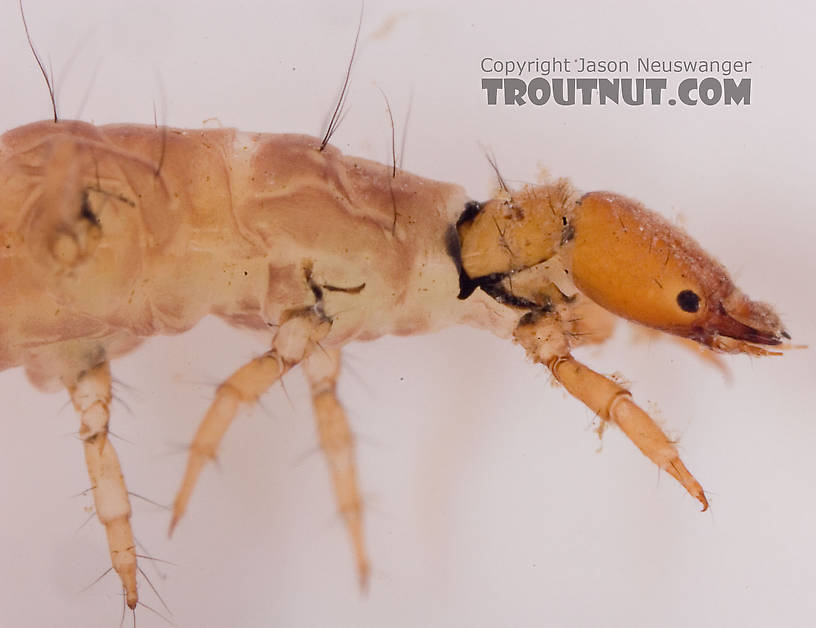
(634,263)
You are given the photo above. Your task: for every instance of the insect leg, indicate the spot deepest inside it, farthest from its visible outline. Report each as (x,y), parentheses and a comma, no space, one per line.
(322,369)
(607,399)
(295,340)
(91,396)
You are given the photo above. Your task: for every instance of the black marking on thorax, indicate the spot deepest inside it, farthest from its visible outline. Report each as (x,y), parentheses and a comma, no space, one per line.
(492,283)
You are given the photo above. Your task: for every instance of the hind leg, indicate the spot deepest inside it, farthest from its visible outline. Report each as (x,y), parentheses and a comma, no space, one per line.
(91,396)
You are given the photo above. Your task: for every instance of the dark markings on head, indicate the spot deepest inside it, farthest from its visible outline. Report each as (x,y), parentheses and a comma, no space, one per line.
(48,83)
(337,114)
(688,301)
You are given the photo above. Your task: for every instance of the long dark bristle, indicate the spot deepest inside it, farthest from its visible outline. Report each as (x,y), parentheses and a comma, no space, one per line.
(337,115)
(48,82)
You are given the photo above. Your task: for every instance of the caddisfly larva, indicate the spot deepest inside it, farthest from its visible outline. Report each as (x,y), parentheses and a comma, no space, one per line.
(337,285)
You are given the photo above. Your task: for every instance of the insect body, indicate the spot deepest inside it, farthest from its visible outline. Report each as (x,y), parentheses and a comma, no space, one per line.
(492,509)
(113,234)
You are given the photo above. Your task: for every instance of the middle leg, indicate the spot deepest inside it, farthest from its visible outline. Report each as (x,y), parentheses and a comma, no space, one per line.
(337,443)
(295,340)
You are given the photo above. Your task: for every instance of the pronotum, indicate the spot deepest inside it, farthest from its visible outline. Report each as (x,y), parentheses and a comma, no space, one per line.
(456,455)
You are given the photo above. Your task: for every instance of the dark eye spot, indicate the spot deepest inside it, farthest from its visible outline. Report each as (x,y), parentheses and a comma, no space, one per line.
(688,301)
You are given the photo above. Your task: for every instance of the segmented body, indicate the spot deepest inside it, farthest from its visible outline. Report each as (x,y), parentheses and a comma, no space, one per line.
(115,234)
(385,209)
(244,226)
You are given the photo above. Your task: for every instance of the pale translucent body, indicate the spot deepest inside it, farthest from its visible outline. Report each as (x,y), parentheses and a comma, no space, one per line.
(116,233)
(654,155)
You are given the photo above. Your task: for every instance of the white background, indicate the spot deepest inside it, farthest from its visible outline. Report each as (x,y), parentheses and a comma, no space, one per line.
(487,502)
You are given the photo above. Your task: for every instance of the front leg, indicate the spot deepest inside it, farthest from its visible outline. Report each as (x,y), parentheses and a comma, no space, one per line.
(543,339)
